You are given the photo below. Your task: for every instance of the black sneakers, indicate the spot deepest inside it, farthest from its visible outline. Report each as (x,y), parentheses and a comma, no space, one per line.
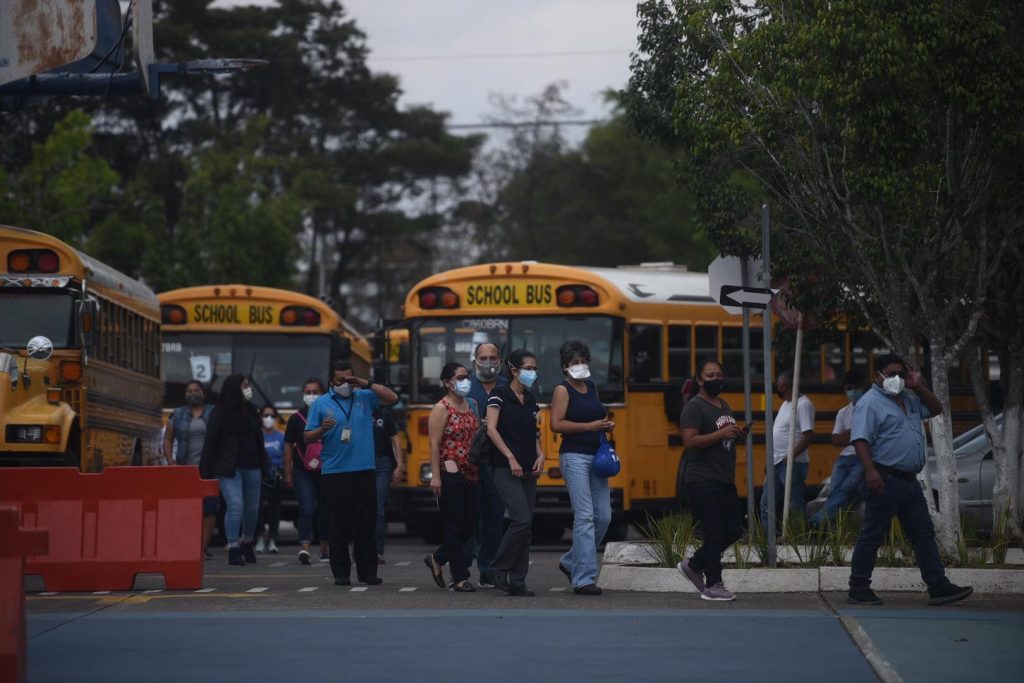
(342,581)
(248,553)
(948,593)
(589,589)
(862,595)
(235,557)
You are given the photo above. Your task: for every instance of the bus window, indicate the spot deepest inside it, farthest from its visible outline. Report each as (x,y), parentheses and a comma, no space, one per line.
(28,312)
(645,353)
(835,361)
(679,346)
(732,352)
(707,342)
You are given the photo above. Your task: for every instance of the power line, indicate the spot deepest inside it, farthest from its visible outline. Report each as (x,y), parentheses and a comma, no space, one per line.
(498,55)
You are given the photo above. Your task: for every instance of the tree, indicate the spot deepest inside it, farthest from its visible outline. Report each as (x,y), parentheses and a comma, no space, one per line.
(887,137)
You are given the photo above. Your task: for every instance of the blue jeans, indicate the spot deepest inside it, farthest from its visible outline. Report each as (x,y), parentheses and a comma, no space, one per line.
(796,494)
(384,471)
(591,514)
(242,498)
(309,492)
(903,499)
(847,475)
(492,520)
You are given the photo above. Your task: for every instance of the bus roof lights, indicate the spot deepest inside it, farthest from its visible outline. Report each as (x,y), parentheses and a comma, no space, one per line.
(33,261)
(300,315)
(428,299)
(566,296)
(450,299)
(577,295)
(587,296)
(172,314)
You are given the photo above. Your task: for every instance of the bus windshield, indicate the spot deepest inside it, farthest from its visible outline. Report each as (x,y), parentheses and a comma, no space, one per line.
(439,341)
(278,363)
(26,314)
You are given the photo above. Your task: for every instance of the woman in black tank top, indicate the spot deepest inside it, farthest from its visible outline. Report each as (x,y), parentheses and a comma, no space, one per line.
(579,416)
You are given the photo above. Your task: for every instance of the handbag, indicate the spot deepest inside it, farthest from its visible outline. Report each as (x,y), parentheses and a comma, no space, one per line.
(310,455)
(481,449)
(606,462)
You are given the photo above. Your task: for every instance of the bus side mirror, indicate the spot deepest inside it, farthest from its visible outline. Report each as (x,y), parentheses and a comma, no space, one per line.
(87,313)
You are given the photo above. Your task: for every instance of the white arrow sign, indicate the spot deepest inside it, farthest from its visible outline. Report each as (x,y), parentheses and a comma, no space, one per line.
(746,297)
(730,270)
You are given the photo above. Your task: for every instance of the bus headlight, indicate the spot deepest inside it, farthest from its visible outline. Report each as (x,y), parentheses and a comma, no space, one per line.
(425,474)
(49,434)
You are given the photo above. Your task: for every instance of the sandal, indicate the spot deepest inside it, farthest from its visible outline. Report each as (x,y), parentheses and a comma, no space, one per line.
(435,570)
(463,586)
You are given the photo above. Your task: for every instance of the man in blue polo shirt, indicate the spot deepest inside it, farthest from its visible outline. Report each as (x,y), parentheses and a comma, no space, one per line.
(889,440)
(342,420)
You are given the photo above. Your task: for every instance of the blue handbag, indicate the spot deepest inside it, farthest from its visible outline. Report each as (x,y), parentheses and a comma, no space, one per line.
(606,462)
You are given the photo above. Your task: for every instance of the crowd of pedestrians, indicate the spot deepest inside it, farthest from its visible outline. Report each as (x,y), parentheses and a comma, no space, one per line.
(341,452)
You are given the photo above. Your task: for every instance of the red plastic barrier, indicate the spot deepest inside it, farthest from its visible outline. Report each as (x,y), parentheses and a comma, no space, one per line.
(15,545)
(106,528)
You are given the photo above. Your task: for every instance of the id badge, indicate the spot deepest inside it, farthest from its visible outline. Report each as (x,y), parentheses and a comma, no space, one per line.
(346,435)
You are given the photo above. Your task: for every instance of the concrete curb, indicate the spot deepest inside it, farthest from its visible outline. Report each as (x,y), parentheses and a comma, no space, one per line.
(809,580)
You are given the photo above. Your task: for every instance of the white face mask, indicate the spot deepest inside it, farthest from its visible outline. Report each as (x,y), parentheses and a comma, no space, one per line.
(579,371)
(893,385)
(247,393)
(343,390)
(268,421)
(462,388)
(309,398)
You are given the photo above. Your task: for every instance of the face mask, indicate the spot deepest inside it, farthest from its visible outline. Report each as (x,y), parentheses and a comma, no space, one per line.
(892,385)
(714,386)
(486,371)
(247,393)
(343,390)
(580,371)
(268,421)
(527,377)
(854,395)
(461,388)
(309,398)
(194,399)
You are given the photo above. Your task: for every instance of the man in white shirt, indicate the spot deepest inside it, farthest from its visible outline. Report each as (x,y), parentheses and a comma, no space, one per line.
(848,472)
(780,436)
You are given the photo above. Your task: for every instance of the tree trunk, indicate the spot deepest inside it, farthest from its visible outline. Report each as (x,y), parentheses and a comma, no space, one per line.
(1006,443)
(947,517)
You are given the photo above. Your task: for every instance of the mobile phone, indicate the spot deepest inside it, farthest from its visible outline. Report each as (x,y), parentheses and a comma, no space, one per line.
(747,427)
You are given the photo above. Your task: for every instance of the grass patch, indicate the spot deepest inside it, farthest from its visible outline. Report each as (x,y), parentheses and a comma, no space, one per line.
(670,536)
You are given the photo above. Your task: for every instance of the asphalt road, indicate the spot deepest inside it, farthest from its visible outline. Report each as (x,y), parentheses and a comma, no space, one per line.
(283,621)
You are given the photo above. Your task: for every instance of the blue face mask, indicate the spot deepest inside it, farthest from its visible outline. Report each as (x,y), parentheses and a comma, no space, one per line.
(527,377)
(854,395)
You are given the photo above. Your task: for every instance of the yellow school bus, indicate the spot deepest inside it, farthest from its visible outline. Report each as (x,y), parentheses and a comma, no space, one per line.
(277,338)
(79,358)
(647,327)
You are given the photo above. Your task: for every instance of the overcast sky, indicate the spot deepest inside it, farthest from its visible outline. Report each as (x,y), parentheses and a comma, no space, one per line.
(452,53)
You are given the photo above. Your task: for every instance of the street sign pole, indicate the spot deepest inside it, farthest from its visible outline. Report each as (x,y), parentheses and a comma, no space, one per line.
(769,482)
(793,401)
(748,414)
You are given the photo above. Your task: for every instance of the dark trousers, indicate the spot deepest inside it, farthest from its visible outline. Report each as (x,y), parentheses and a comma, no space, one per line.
(717,509)
(270,507)
(903,499)
(519,495)
(492,520)
(460,509)
(352,509)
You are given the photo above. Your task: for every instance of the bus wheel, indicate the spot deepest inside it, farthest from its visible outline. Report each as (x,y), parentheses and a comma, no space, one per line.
(546,532)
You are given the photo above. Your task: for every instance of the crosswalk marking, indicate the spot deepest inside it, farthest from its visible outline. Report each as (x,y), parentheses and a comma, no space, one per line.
(155,590)
(308,589)
(357,589)
(279,564)
(407,589)
(206,590)
(258,589)
(49,593)
(402,564)
(557,589)
(101,592)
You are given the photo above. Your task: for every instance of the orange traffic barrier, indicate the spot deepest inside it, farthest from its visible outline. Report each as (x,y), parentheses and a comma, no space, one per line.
(16,544)
(106,528)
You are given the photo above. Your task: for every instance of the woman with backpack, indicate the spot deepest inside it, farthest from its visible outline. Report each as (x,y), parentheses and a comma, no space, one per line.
(302,473)
(233,452)
(454,479)
(579,416)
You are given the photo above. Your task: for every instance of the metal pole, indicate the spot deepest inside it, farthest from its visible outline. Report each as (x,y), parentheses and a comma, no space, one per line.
(769,482)
(793,399)
(748,414)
